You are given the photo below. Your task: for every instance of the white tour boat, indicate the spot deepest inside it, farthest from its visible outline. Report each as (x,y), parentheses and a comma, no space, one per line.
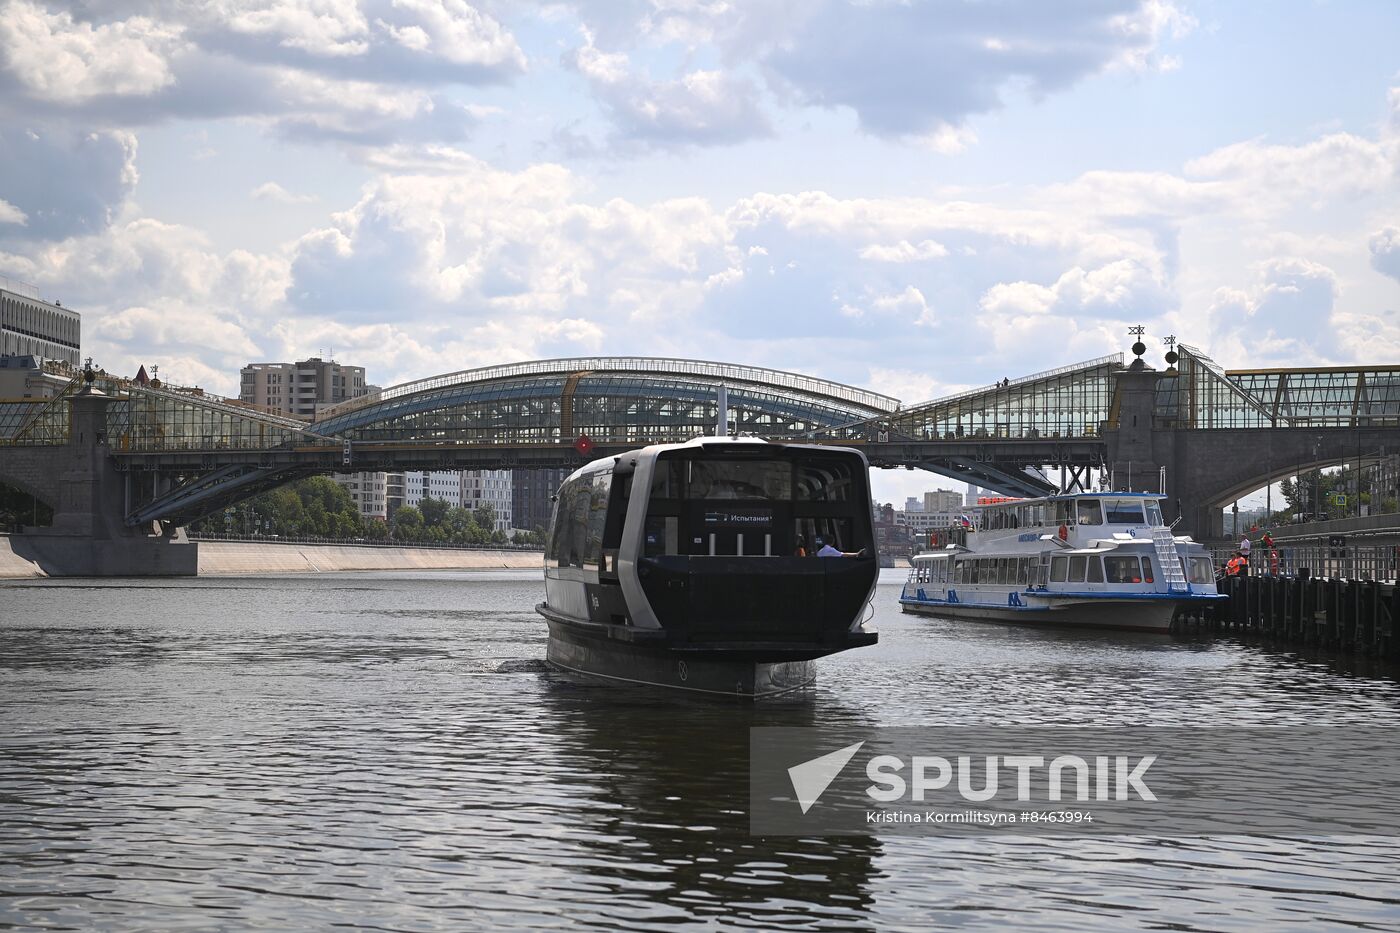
(1104,559)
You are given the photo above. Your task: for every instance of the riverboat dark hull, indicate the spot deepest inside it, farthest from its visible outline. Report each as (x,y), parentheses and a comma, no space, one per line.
(615,653)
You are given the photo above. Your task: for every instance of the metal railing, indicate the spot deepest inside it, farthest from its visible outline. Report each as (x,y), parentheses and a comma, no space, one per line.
(19,287)
(1365,562)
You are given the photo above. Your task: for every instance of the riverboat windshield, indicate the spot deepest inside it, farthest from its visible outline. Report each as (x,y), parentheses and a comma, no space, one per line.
(728,504)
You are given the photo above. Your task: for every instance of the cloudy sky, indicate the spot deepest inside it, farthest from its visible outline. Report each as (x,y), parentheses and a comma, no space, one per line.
(908,195)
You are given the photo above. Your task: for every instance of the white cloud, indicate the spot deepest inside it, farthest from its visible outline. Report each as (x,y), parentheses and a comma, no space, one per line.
(271,191)
(9,214)
(453,31)
(1385,252)
(320,27)
(1114,289)
(1285,315)
(61,60)
(1339,165)
(699,108)
(64,182)
(904,251)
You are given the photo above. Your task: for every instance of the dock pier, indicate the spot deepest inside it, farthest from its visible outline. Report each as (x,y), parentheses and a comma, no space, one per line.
(1344,615)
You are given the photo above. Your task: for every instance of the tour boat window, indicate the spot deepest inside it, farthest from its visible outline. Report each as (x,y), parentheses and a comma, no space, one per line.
(1124,511)
(1122,569)
(1154,512)
(1090,512)
(1059,568)
(1201,570)
(1147,570)
(739,479)
(1023,571)
(1095,570)
(1064,512)
(1077,566)
(822,480)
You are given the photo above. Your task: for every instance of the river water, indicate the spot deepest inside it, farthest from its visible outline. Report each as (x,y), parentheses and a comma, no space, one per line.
(389,752)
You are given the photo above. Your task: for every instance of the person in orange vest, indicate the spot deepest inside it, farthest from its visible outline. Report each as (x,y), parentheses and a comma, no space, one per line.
(1236,565)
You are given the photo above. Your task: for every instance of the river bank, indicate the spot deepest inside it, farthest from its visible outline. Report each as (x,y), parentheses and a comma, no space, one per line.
(237,558)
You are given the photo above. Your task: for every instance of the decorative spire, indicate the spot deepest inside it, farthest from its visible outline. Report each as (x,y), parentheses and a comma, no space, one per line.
(1139,348)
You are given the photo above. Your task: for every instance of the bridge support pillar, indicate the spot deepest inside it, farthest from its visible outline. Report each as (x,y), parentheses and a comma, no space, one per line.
(1133,454)
(89,537)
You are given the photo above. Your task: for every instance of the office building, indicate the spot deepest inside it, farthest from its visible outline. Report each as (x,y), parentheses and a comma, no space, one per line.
(30,327)
(301,389)
(31,377)
(532,497)
(941,500)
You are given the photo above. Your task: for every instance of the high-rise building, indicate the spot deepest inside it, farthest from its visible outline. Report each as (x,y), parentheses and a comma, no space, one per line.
(445,485)
(489,487)
(302,388)
(470,489)
(30,327)
(941,500)
(368,491)
(532,497)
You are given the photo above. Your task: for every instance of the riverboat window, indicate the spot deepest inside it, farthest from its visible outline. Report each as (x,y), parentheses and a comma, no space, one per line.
(1147,570)
(1023,571)
(1059,569)
(1077,567)
(1124,511)
(1154,512)
(580,517)
(1095,570)
(1122,569)
(821,480)
(739,479)
(1201,570)
(1090,512)
(1064,512)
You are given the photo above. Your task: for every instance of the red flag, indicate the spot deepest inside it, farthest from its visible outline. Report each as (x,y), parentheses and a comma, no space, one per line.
(584,445)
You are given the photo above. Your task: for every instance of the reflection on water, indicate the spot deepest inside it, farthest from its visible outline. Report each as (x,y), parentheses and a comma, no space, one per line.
(389,751)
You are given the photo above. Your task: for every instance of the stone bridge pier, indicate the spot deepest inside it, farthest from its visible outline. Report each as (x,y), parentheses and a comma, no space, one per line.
(89,536)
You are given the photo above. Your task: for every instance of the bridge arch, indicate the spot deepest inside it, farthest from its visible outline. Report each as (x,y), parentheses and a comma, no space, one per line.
(614,401)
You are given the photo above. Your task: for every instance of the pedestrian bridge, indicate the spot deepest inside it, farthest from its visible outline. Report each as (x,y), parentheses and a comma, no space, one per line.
(183,452)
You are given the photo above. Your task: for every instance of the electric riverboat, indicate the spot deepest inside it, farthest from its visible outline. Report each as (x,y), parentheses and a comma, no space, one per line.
(694,566)
(1104,560)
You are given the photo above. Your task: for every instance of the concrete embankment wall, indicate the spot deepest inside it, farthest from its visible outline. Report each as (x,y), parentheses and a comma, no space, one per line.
(222,558)
(227,558)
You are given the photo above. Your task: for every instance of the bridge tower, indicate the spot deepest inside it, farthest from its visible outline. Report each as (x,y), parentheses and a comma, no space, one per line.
(89,535)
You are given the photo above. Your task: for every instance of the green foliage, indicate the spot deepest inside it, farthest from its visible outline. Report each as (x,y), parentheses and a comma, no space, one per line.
(316,507)
(319,507)
(407,524)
